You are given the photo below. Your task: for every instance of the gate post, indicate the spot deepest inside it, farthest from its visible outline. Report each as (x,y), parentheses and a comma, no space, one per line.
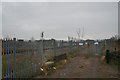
(14,61)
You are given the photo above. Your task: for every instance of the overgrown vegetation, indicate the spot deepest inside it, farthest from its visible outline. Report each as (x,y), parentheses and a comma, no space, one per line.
(50,69)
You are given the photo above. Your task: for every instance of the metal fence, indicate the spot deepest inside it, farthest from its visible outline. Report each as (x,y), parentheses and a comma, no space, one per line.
(22,59)
(19,59)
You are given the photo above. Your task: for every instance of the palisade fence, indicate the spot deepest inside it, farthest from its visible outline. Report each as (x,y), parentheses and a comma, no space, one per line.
(22,59)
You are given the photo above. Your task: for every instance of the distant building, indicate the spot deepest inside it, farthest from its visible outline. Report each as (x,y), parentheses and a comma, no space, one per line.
(20,40)
(90,41)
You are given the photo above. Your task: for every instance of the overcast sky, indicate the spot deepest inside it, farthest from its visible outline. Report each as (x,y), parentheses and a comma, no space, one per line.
(59,19)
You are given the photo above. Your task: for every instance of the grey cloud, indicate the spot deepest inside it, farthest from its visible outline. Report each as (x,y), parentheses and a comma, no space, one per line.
(59,19)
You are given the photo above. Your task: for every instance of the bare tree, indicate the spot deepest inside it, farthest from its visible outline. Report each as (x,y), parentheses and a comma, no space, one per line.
(32,39)
(6,37)
(68,38)
(83,33)
(79,34)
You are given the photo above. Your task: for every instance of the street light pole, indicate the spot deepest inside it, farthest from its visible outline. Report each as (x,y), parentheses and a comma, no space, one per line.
(42,45)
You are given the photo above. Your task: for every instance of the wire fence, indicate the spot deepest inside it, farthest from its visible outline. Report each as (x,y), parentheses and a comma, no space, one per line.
(22,59)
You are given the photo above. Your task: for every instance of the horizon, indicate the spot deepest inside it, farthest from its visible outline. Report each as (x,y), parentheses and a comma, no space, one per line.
(8,38)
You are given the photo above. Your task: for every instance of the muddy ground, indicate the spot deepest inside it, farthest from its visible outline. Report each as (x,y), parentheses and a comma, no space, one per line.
(84,67)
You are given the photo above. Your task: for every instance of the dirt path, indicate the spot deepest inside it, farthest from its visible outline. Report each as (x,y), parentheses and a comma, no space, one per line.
(84,67)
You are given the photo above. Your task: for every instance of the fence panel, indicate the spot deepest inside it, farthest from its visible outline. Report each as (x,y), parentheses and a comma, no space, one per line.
(19,59)
(22,59)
